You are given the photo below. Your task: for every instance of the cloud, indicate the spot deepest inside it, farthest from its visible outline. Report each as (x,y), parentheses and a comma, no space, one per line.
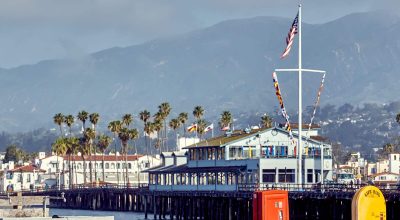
(39,29)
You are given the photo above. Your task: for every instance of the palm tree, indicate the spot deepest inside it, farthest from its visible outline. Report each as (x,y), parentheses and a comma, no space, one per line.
(83,116)
(144,116)
(115,127)
(84,150)
(158,125)
(59,120)
(134,134)
(94,119)
(59,147)
(127,119)
(69,120)
(201,126)
(72,144)
(198,112)
(90,135)
(226,119)
(183,117)
(266,121)
(103,143)
(125,135)
(164,109)
(148,129)
(175,124)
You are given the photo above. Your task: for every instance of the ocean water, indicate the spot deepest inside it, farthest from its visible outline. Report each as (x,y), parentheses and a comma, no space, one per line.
(117,215)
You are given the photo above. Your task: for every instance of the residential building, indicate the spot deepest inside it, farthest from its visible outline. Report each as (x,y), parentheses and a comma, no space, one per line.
(20,178)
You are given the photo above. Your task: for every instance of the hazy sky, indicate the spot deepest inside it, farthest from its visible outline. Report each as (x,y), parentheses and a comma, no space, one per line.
(33,30)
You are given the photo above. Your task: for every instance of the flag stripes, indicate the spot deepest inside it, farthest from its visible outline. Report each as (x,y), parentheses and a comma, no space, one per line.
(290,37)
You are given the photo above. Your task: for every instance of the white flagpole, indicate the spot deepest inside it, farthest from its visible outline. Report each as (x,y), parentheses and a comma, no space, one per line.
(300,177)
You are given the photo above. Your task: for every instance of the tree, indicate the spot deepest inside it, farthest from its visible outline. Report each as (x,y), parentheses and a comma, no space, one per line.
(94,119)
(183,117)
(59,147)
(72,144)
(69,120)
(84,150)
(175,124)
(59,120)
(127,119)
(157,125)
(144,116)
(123,135)
(83,116)
(103,142)
(148,129)
(198,112)
(266,121)
(115,127)
(201,126)
(226,119)
(164,109)
(90,135)
(13,153)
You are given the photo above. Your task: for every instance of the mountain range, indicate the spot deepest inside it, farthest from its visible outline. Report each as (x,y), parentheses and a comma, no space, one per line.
(227,66)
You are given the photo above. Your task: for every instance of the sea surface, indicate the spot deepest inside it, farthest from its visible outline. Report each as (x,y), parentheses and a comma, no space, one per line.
(117,215)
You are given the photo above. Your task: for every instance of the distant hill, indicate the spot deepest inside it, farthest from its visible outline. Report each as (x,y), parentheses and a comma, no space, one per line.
(227,66)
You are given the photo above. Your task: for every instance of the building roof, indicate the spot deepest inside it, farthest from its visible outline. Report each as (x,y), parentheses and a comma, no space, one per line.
(304,126)
(27,169)
(383,173)
(105,157)
(185,169)
(237,135)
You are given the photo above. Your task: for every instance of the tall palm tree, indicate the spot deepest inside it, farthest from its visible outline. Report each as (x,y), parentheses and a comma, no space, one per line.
(134,134)
(90,135)
(71,145)
(115,127)
(164,109)
(69,121)
(183,117)
(198,112)
(103,143)
(59,120)
(158,125)
(175,124)
(226,119)
(125,135)
(201,126)
(59,147)
(94,119)
(148,129)
(266,121)
(84,150)
(127,120)
(83,117)
(145,116)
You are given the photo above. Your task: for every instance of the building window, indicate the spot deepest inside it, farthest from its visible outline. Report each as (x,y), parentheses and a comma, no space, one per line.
(112,166)
(129,166)
(309,175)
(107,166)
(19,179)
(118,165)
(268,175)
(286,175)
(28,178)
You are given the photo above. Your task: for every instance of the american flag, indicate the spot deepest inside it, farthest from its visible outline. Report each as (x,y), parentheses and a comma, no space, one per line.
(290,37)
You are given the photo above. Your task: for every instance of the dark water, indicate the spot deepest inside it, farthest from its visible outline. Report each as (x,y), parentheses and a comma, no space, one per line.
(117,215)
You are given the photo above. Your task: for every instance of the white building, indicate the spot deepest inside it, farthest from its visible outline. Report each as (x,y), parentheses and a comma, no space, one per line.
(384,169)
(244,158)
(20,178)
(107,169)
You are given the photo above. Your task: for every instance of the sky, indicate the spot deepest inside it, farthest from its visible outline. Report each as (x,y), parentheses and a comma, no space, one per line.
(35,30)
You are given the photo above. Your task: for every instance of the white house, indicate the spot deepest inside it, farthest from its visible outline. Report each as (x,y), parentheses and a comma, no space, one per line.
(20,178)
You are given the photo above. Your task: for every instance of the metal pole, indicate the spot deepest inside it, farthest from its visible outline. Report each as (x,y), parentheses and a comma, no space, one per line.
(299,176)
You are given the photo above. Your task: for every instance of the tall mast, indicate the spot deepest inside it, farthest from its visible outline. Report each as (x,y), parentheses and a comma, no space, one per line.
(299,161)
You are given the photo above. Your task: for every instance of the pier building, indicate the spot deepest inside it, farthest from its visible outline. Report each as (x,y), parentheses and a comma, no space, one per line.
(242,159)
